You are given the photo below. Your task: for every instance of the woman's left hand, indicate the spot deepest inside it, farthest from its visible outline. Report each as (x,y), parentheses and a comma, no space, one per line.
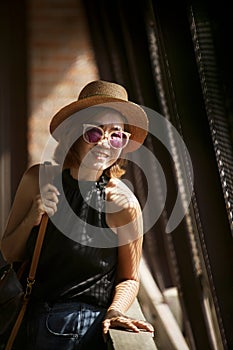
(115,319)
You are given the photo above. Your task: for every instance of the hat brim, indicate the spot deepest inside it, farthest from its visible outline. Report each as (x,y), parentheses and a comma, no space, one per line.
(136,117)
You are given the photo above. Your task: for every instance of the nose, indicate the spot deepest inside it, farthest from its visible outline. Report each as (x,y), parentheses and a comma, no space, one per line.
(104,141)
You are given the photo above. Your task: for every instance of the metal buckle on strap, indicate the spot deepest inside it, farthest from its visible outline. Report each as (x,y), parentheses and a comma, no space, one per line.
(29,288)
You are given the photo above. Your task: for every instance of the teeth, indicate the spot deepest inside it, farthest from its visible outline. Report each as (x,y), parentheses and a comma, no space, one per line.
(98,154)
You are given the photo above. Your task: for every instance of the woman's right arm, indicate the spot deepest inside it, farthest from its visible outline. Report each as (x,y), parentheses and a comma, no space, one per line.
(26,212)
(22,216)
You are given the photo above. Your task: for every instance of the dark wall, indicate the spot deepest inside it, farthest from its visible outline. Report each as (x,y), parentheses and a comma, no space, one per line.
(13,106)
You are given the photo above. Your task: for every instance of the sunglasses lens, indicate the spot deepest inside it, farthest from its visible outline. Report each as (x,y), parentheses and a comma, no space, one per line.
(93,135)
(118,139)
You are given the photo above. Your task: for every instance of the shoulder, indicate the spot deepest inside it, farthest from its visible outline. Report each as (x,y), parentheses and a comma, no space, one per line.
(30,178)
(37,171)
(32,173)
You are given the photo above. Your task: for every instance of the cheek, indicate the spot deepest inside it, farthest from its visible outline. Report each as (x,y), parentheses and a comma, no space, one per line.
(82,148)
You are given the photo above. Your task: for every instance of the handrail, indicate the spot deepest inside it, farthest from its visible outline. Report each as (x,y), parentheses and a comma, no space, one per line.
(125,340)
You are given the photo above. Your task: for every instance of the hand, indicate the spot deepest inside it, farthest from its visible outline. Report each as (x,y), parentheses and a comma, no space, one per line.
(115,319)
(119,194)
(122,206)
(46,202)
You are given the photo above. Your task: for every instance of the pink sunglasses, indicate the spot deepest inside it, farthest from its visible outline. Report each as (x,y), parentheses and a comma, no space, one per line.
(116,139)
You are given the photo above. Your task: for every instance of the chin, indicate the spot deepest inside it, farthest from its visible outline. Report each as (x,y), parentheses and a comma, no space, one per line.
(98,165)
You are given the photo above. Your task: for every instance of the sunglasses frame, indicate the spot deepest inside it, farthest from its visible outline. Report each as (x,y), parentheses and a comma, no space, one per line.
(91,126)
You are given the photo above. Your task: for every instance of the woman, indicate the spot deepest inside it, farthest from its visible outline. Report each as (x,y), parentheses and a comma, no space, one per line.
(88,269)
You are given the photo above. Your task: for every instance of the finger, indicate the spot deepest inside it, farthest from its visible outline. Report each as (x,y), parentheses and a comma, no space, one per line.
(108,194)
(132,324)
(49,207)
(49,204)
(51,196)
(126,325)
(144,326)
(123,322)
(38,206)
(50,188)
(50,211)
(106,326)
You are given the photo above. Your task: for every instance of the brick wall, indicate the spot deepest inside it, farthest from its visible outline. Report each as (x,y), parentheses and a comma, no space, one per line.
(61,62)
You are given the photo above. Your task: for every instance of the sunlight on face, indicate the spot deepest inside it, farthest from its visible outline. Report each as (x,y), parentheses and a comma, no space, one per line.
(99,156)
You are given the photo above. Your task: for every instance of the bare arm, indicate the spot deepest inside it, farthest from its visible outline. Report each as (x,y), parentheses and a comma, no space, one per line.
(129,255)
(127,223)
(26,212)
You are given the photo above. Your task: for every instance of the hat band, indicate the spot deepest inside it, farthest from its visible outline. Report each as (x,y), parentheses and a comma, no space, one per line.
(102,95)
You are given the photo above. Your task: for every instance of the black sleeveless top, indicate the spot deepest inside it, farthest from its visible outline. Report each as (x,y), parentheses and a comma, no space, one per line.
(79,256)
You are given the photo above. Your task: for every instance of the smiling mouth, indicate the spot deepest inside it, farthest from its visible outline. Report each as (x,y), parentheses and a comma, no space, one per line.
(100,155)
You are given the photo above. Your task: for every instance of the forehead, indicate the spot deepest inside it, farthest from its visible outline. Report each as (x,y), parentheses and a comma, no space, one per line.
(108,116)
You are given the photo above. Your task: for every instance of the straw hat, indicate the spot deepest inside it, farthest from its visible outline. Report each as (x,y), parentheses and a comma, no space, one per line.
(111,95)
